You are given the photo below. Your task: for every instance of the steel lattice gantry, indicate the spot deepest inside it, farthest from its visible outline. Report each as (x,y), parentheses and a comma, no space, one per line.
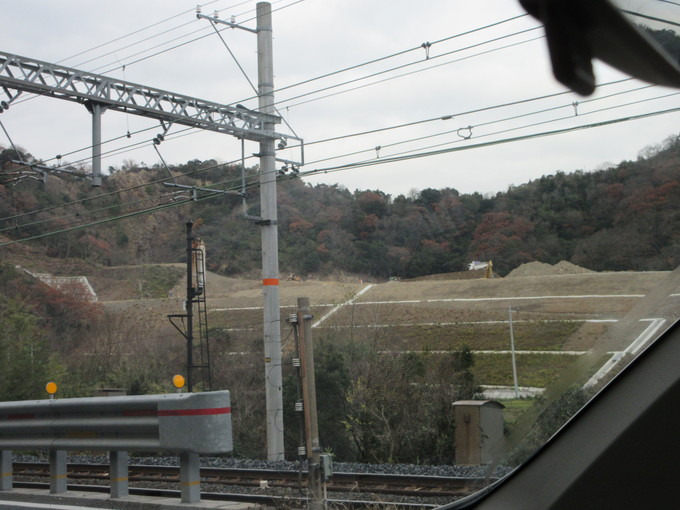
(29,75)
(99,93)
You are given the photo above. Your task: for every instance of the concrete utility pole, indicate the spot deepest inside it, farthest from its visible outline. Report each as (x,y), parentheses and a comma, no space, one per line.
(270,238)
(23,74)
(312,444)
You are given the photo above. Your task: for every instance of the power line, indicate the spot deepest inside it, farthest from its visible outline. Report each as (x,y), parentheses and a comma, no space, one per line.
(177,45)
(238,64)
(132,33)
(403,66)
(227,185)
(502,105)
(318,77)
(112,219)
(650,18)
(397,54)
(526,126)
(129,45)
(290,127)
(507,46)
(111,193)
(368,163)
(506,119)
(382,161)
(450,116)
(353,67)
(142,143)
(150,128)
(84,213)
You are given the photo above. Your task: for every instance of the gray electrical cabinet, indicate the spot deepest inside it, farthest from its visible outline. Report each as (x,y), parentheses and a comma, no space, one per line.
(479,431)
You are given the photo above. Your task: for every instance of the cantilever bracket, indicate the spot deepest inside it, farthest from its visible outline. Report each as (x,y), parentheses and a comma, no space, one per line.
(182,329)
(215,19)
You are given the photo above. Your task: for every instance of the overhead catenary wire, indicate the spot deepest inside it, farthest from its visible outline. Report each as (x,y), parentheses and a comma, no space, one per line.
(507,46)
(101,45)
(440,40)
(339,137)
(226,184)
(107,220)
(650,18)
(81,214)
(171,48)
(14,147)
(510,118)
(151,128)
(387,160)
(115,192)
(408,64)
(526,100)
(519,128)
(396,54)
(238,64)
(452,115)
(363,164)
(122,66)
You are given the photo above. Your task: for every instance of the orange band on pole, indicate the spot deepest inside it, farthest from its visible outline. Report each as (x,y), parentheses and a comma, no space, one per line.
(270,281)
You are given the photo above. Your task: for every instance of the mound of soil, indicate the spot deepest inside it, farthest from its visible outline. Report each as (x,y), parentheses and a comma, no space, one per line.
(460,275)
(543,269)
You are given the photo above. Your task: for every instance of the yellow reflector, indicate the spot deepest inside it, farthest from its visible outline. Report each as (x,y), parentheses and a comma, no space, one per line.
(178,381)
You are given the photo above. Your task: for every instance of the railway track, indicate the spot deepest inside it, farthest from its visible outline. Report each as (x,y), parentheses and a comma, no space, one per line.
(399,486)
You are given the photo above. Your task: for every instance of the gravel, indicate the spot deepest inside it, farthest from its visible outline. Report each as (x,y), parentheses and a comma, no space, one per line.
(340,467)
(288,493)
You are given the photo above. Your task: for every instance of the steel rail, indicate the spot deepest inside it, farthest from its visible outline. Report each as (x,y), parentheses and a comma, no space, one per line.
(378,483)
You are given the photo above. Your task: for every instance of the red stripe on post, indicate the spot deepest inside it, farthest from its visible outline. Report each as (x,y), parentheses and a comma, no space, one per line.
(270,281)
(195,412)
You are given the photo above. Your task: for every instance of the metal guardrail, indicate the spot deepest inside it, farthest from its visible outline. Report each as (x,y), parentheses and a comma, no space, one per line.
(185,423)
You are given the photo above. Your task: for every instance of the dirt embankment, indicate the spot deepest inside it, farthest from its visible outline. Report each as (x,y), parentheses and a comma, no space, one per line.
(543,269)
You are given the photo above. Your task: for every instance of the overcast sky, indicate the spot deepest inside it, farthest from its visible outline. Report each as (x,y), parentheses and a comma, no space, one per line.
(482,70)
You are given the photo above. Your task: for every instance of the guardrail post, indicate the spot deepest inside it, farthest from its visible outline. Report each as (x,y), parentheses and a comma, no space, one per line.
(190,477)
(5,470)
(57,471)
(119,474)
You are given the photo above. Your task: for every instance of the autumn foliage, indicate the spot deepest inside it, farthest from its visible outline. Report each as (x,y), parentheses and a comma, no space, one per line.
(624,217)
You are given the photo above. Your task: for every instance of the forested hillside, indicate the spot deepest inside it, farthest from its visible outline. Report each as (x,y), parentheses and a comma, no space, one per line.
(326,229)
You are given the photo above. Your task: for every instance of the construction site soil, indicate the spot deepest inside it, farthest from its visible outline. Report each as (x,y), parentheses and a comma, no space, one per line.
(560,308)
